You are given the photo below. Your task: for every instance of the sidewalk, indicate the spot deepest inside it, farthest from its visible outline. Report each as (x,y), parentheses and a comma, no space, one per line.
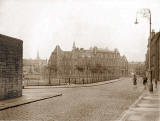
(29,96)
(75,85)
(146,108)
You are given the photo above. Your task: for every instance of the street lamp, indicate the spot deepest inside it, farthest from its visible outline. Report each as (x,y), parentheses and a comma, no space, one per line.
(147,14)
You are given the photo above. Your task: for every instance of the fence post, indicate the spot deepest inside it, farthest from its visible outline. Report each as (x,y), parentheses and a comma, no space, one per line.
(59,81)
(69,81)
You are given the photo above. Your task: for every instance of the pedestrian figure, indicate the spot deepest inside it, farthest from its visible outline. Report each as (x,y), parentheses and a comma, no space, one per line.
(145,82)
(134,80)
(155,83)
(83,80)
(69,81)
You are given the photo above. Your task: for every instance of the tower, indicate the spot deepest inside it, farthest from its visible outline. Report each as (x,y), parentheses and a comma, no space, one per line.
(74,46)
(38,55)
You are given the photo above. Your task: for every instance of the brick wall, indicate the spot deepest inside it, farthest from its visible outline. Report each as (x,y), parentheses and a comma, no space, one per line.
(11,53)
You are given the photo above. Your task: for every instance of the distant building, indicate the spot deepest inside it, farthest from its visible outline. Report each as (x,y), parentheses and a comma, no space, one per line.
(136,67)
(11,54)
(32,68)
(123,66)
(90,65)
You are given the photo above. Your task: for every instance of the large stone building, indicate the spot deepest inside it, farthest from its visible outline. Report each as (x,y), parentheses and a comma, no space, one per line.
(92,65)
(11,52)
(155,56)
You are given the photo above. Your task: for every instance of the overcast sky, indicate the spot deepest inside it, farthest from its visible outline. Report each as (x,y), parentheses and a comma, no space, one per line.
(42,24)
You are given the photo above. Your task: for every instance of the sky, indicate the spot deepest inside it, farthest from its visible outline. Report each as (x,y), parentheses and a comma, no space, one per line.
(43,24)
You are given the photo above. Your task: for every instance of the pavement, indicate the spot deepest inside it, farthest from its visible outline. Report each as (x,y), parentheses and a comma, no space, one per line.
(29,96)
(146,108)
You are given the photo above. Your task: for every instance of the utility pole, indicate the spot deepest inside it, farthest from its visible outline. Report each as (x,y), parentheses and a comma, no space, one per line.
(147,14)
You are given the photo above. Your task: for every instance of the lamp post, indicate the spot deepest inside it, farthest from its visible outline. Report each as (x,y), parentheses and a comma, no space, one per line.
(147,14)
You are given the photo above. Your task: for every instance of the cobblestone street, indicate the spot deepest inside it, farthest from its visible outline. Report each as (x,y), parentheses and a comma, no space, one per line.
(98,103)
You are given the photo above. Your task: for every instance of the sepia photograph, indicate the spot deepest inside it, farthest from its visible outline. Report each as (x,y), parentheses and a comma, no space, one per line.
(79,60)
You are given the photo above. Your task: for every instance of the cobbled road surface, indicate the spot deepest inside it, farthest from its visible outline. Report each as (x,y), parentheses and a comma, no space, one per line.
(98,103)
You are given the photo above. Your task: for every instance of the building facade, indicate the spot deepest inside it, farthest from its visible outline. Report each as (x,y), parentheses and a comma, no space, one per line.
(89,66)
(123,66)
(155,56)
(136,67)
(11,54)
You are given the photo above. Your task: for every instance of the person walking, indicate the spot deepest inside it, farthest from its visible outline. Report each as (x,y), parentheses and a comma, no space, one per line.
(69,81)
(134,79)
(145,82)
(155,83)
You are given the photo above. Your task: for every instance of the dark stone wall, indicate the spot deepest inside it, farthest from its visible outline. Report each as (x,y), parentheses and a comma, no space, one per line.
(155,54)
(11,63)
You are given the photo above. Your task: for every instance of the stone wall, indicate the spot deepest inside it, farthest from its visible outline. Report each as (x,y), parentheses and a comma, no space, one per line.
(11,62)
(155,55)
